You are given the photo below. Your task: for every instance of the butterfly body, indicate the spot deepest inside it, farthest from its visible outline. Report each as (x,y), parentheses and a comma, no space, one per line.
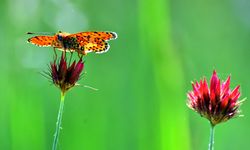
(82,42)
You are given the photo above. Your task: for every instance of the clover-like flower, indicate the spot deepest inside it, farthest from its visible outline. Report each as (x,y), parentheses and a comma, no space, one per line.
(64,76)
(217,103)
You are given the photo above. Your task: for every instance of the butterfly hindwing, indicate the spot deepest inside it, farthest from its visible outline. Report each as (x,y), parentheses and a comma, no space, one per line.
(97,47)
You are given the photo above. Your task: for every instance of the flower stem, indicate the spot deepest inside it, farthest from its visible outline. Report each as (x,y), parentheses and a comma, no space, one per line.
(59,121)
(211,141)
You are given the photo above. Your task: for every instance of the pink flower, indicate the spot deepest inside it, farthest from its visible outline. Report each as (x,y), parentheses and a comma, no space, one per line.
(63,76)
(217,103)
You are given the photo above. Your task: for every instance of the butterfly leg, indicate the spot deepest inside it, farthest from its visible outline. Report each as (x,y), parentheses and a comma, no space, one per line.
(79,52)
(55,53)
(83,53)
(64,53)
(71,54)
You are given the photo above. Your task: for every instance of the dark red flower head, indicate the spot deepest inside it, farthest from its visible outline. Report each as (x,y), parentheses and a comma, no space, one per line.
(217,103)
(63,76)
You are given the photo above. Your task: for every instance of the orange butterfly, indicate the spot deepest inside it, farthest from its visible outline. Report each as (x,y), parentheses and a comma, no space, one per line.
(82,42)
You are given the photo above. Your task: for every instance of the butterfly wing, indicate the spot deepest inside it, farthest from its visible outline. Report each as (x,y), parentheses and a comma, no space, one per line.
(94,41)
(42,41)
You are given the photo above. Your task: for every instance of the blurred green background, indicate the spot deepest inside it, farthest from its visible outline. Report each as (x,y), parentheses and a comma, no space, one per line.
(142,80)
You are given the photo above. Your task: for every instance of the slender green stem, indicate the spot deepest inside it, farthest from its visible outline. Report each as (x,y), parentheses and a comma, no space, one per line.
(58,123)
(211,140)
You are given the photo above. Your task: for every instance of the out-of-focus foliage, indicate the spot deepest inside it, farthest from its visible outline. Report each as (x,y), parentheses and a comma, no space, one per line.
(143,79)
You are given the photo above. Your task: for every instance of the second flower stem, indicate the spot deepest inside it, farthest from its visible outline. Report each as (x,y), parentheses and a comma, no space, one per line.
(211,140)
(59,121)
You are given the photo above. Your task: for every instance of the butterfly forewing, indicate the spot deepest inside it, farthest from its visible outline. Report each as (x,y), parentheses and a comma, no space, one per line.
(102,35)
(42,40)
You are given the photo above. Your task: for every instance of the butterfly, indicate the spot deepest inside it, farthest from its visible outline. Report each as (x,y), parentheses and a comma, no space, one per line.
(82,42)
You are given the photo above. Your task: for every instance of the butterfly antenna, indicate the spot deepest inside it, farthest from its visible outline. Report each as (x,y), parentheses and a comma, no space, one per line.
(41,33)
